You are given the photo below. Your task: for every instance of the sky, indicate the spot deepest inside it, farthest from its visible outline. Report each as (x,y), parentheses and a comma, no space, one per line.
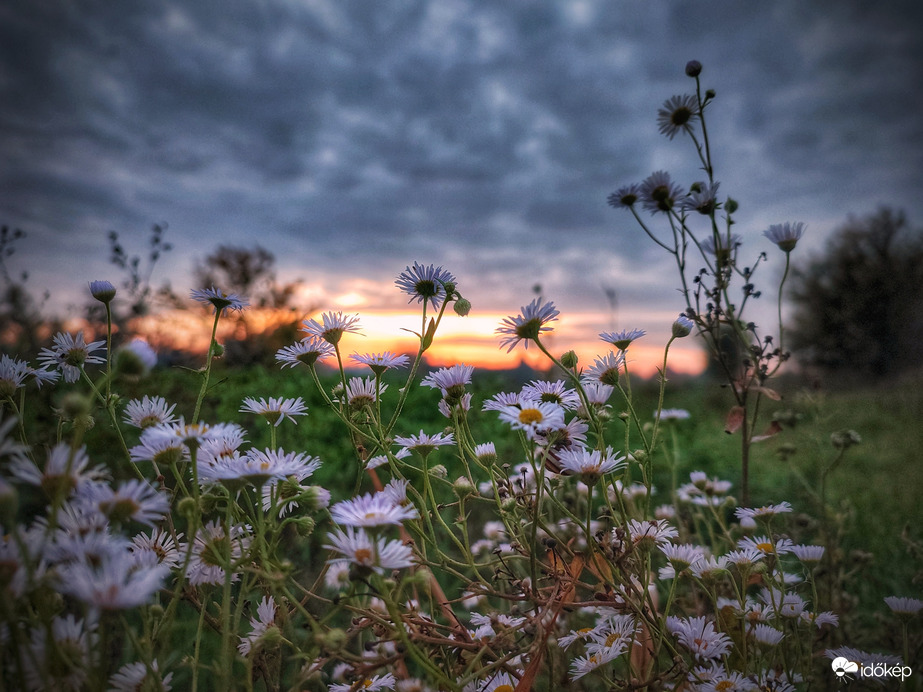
(351,139)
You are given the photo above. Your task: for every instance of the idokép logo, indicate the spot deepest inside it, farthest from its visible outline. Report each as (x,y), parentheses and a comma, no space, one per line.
(846,670)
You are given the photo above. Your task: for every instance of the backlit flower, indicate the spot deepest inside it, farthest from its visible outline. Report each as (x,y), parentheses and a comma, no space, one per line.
(621,340)
(659,193)
(785,235)
(219,299)
(380,362)
(424,283)
(528,325)
(307,352)
(276,409)
(625,196)
(71,353)
(703,198)
(676,114)
(332,326)
(605,369)
(555,392)
(103,291)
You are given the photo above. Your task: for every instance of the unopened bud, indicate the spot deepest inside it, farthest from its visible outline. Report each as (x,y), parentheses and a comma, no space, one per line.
(462,487)
(682,327)
(462,307)
(103,291)
(569,360)
(693,68)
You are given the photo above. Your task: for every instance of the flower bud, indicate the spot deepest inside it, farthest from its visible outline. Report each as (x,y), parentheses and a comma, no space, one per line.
(439,471)
(693,68)
(462,307)
(682,327)
(103,291)
(303,525)
(187,507)
(844,439)
(462,487)
(569,360)
(74,405)
(730,206)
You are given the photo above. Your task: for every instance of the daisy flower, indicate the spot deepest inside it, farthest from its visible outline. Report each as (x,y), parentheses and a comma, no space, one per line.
(219,299)
(587,664)
(766,545)
(138,676)
(766,634)
(380,362)
(331,327)
(63,653)
(373,684)
(651,531)
(500,401)
(136,358)
(288,493)
(699,636)
(451,380)
(158,448)
(374,509)
(307,352)
(358,548)
(676,113)
(598,393)
(767,511)
(70,353)
(254,467)
(264,620)
(605,369)
(903,605)
(210,552)
(533,417)
(13,373)
(672,414)
(809,554)
(709,568)
(555,392)
(65,470)
(134,500)
(621,340)
(625,197)
(362,392)
(499,682)
(148,411)
(161,545)
(114,583)
(681,556)
(528,325)
(659,193)
(276,409)
(785,235)
(703,198)
(425,283)
(721,248)
(486,452)
(590,465)
(423,444)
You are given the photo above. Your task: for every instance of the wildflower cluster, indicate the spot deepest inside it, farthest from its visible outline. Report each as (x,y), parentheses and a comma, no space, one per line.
(539,555)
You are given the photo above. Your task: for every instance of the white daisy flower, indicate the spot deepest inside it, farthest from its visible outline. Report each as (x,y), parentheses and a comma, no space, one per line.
(264,620)
(138,676)
(358,548)
(276,409)
(528,325)
(699,636)
(425,283)
(374,509)
(533,417)
(148,411)
(332,326)
(70,353)
(307,352)
(221,301)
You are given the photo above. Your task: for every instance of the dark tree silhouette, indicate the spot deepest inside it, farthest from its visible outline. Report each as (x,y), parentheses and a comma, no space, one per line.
(859,304)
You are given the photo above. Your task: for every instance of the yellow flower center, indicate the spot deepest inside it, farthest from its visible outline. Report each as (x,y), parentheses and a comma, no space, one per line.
(363,555)
(764,547)
(530,415)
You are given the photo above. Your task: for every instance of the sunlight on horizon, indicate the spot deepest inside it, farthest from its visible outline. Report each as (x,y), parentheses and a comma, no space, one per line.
(471,340)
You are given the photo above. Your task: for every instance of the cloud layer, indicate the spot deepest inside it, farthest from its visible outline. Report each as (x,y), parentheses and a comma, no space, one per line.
(352,138)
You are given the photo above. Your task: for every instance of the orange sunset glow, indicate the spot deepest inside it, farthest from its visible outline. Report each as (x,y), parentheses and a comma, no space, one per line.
(471,340)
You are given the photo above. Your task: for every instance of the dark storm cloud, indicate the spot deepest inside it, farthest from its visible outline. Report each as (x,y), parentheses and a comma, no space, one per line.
(365,135)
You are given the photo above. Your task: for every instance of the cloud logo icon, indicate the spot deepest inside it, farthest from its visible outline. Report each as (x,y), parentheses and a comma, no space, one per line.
(843,666)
